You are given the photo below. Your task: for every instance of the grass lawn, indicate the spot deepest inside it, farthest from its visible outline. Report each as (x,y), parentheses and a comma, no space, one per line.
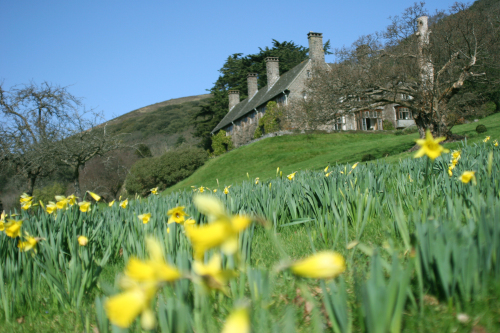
(315,151)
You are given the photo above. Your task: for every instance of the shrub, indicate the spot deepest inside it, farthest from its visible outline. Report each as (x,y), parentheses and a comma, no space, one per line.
(221,143)
(47,193)
(481,129)
(410,130)
(398,132)
(164,171)
(387,125)
(367,157)
(271,121)
(258,133)
(142,151)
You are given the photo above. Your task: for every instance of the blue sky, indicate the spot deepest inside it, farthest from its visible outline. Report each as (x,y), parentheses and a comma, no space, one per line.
(122,55)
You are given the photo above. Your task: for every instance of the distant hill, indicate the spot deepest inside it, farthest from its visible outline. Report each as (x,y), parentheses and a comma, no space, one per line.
(162,125)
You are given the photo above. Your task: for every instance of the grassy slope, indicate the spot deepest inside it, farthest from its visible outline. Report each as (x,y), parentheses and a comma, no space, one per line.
(315,151)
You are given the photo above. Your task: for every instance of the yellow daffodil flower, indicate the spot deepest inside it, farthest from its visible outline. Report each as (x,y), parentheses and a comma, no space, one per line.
(72,200)
(29,244)
(154,190)
(256,180)
(62,204)
(13,228)
(354,165)
(326,169)
(495,143)
(155,269)
(486,139)
(82,240)
(122,309)
(223,231)
(111,203)
(201,189)
(94,196)
(176,215)
(26,205)
(124,203)
(145,217)
(212,274)
(328,174)
(430,147)
(215,190)
(84,206)
(291,176)
(456,154)
(25,198)
(190,221)
(450,171)
(237,322)
(467,176)
(226,190)
(322,265)
(51,207)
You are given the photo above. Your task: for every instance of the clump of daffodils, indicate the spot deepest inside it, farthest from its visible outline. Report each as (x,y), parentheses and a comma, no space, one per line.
(26,201)
(455,156)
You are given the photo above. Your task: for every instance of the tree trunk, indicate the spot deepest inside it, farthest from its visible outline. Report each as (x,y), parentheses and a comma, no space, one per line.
(76,181)
(31,184)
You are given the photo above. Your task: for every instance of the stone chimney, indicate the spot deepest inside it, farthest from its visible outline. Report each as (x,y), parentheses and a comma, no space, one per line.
(252,84)
(273,71)
(234,98)
(316,53)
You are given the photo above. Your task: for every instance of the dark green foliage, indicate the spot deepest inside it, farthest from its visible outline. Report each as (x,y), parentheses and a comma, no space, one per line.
(271,121)
(221,143)
(258,133)
(165,170)
(387,125)
(49,192)
(168,119)
(398,132)
(234,76)
(410,130)
(481,129)
(367,157)
(143,150)
(180,140)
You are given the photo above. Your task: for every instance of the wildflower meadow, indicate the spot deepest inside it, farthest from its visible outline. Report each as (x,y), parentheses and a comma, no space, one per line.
(364,247)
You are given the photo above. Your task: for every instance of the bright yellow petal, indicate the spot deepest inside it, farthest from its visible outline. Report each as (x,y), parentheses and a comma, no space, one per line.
(322,265)
(237,322)
(123,308)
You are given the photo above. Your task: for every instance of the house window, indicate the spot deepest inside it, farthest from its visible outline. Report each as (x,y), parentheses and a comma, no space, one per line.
(337,126)
(404,114)
(363,124)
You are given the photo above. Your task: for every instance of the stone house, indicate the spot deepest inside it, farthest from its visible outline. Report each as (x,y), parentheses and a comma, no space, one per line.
(242,119)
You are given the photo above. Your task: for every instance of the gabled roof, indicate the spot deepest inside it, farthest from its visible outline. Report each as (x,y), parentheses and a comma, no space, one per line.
(261,97)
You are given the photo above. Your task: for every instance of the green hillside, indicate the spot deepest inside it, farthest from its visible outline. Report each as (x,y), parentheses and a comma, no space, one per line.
(161,122)
(314,151)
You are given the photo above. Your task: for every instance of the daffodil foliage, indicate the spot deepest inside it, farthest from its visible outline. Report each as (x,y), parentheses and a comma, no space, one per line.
(399,233)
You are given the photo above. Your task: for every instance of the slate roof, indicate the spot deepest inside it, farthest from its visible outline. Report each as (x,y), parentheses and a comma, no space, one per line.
(261,97)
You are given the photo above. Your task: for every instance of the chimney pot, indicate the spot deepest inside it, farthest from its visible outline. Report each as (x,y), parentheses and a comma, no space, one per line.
(273,71)
(234,98)
(316,52)
(252,84)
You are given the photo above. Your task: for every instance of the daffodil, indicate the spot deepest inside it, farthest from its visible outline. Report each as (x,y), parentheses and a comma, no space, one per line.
(94,196)
(25,198)
(29,244)
(154,190)
(111,203)
(430,146)
(124,203)
(13,228)
(355,165)
(222,231)
(486,139)
(155,269)
(201,189)
(84,206)
(123,308)
(450,171)
(456,154)
(177,215)
(26,205)
(226,189)
(467,176)
(328,174)
(291,176)
(326,169)
(145,217)
(215,190)
(72,200)
(82,240)
(51,207)
(237,322)
(322,265)
(62,203)
(256,180)
(2,221)
(495,143)
(212,274)
(190,221)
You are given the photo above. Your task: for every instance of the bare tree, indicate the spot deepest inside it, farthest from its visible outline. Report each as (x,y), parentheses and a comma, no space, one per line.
(410,66)
(33,117)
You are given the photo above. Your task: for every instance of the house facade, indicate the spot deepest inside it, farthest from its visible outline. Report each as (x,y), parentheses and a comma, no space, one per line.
(242,119)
